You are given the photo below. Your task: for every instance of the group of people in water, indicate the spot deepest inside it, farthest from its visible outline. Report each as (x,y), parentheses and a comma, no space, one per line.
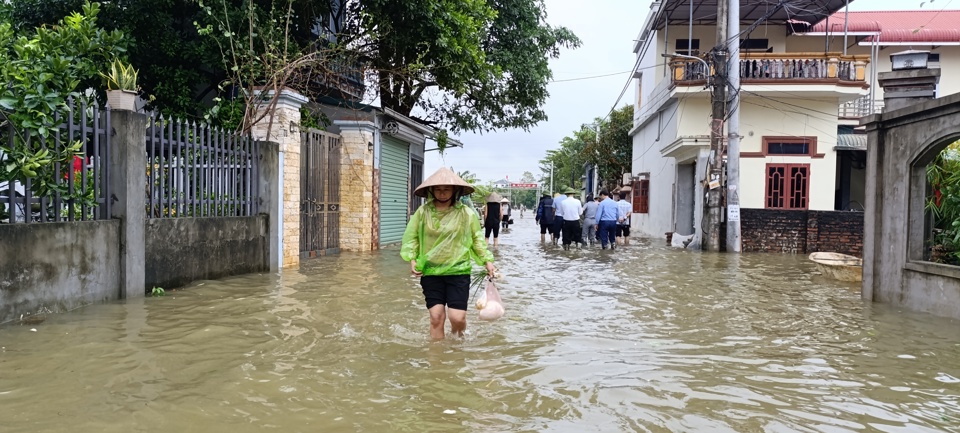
(602,220)
(443,238)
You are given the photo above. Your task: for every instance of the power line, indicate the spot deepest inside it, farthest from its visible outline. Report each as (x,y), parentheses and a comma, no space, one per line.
(589,77)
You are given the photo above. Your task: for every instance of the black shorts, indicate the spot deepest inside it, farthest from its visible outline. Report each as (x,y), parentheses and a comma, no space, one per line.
(544,228)
(491,227)
(450,290)
(623,231)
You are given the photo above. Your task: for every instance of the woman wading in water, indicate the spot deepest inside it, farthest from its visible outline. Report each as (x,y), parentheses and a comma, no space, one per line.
(441,239)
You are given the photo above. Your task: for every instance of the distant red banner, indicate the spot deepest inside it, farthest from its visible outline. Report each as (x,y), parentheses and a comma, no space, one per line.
(523,185)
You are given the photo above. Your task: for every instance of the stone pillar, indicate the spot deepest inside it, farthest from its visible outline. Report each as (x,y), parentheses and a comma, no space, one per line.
(357,139)
(282,126)
(833,66)
(128,163)
(860,67)
(271,200)
(906,87)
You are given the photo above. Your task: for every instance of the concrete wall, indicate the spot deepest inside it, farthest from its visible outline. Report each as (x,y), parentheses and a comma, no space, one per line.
(661,128)
(801,231)
(57,267)
(901,144)
(788,117)
(283,127)
(181,250)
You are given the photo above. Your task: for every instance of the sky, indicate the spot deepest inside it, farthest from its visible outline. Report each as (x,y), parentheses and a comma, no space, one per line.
(607,29)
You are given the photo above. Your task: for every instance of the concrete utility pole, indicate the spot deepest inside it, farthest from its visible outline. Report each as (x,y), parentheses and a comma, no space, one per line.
(733,132)
(712,209)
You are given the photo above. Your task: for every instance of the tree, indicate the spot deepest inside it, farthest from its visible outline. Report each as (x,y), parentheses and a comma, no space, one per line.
(468,65)
(486,60)
(180,69)
(605,143)
(42,69)
(612,151)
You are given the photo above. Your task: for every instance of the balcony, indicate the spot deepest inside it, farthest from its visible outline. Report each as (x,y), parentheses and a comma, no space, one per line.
(780,68)
(861,107)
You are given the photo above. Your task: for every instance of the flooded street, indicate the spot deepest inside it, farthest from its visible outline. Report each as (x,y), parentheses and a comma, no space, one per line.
(646,339)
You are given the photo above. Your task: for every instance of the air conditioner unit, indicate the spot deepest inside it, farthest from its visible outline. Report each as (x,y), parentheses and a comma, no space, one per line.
(627,178)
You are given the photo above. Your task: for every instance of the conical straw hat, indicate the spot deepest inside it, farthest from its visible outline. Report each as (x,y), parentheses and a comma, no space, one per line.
(443,176)
(494,198)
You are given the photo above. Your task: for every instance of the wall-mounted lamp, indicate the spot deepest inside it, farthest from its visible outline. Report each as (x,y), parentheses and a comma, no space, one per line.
(369,146)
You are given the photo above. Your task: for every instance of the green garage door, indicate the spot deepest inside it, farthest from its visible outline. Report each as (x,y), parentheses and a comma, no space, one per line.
(394,173)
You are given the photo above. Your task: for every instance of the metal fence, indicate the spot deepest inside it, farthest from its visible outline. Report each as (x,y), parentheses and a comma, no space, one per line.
(195,170)
(72,186)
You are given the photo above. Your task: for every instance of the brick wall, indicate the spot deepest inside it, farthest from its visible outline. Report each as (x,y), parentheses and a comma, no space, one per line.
(357,187)
(801,231)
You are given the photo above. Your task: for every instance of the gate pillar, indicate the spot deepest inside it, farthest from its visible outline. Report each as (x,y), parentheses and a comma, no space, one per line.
(282,126)
(358,220)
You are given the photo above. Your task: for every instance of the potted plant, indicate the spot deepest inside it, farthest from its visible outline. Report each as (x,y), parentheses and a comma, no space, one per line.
(121,86)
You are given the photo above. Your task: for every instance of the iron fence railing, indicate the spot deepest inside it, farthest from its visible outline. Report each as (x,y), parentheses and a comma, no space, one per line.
(72,186)
(860,107)
(196,170)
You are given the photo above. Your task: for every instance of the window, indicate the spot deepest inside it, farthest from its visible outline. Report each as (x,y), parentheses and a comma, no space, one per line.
(755,45)
(641,196)
(788,186)
(639,78)
(795,148)
(786,146)
(684,47)
(416,178)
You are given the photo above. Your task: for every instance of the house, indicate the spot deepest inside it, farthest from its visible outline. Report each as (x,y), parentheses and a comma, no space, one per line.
(803,90)
(384,150)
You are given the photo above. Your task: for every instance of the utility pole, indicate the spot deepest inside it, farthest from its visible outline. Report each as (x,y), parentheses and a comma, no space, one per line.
(712,209)
(733,132)
(551,179)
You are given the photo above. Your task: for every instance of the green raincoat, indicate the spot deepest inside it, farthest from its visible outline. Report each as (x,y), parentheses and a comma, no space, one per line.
(444,242)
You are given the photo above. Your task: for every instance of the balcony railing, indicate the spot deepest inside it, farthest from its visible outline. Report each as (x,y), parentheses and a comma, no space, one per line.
(861,107)
(779,67)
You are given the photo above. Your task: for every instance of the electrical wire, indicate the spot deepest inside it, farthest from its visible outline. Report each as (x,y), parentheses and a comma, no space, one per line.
(589,77)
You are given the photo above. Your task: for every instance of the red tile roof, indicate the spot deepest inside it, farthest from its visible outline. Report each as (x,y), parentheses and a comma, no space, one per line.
(907,26)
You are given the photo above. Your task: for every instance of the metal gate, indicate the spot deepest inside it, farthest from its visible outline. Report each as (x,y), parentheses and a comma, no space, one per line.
(319,193)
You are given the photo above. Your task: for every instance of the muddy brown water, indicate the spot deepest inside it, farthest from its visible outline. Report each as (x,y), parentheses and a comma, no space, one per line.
(645,339)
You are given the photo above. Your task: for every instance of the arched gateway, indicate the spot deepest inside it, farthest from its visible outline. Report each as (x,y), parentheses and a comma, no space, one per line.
(903,141)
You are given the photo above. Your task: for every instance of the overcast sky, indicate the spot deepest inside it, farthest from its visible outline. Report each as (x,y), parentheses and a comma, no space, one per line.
(607,29)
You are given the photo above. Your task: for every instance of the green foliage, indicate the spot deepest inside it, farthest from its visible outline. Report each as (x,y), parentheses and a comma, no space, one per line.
(612,151)
(488,61)
(943,204)
(121,77)
(227,113)
(604,143)
(42,70)
(485,61)
(157,292)
(308,119)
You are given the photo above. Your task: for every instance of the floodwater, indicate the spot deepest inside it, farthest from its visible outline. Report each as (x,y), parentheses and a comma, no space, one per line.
(645,339)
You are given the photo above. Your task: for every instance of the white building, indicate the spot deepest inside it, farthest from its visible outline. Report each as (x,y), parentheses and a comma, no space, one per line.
(801,95)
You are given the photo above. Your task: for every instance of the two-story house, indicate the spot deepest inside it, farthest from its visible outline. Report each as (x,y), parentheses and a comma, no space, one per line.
(803,86)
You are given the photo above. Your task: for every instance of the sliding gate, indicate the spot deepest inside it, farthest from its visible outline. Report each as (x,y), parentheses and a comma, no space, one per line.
(319,193)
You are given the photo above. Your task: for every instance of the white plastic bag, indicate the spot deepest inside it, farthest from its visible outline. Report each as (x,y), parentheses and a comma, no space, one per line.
(492,307)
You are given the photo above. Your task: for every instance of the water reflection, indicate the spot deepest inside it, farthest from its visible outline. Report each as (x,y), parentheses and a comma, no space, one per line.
(644,338)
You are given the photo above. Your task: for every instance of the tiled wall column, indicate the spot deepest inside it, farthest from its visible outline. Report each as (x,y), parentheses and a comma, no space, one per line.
(283,127)
(357,140)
